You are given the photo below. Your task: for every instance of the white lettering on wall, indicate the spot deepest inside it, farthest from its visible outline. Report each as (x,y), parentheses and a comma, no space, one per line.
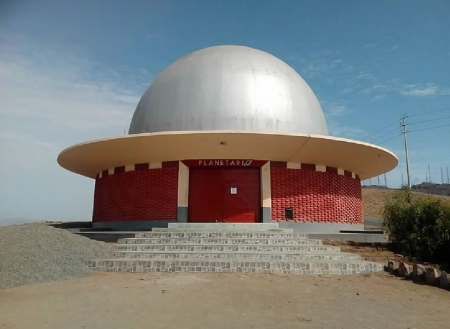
(221,163)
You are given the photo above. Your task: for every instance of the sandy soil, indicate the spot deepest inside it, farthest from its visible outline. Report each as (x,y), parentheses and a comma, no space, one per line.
(133,300)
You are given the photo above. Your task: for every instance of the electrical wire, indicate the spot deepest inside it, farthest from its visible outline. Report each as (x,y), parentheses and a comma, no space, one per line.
(387,140)
(435,127)
(382,129)
(387,133)
(416,122)
(441,110)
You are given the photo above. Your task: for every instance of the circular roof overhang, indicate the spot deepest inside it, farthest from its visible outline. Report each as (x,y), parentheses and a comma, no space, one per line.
(90,158)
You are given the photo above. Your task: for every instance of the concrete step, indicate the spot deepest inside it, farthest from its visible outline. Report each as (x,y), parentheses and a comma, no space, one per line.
(216,234)
(224,241)
(225,247)
(236,265)
(238,255)
(225,226)
(224,229)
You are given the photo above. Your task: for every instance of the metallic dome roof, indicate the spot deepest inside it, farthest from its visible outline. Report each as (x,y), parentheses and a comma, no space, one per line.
(229,88)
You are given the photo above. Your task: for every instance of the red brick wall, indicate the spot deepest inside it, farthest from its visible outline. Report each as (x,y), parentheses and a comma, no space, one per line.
(315,196)
(143,194)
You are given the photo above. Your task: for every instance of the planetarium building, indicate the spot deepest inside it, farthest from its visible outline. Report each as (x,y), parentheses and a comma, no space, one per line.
(228,134)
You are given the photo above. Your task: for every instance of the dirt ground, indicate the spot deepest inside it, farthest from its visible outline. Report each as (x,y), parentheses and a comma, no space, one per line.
(158,300)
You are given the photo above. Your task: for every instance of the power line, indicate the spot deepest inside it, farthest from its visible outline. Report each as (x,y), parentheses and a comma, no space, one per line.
(416,122)
(441,110)
(435,127)
(382,129)
(387,140)
(404,132)
(387,133)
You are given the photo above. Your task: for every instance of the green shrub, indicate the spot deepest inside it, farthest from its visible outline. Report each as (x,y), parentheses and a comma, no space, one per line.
(418,227)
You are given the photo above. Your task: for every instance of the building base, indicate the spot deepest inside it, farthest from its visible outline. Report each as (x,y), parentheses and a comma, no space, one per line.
(297,227)
(132,225)
(320,227)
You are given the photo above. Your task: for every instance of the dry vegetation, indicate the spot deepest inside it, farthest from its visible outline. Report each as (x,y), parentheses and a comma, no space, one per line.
(374,200)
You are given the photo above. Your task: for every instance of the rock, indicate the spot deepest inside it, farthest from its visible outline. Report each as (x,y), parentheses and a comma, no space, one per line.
(404,270)
(418,273)
(392,266)
(444,281)
(431,276)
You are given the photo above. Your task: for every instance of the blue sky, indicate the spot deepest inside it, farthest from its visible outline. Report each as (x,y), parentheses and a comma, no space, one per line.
(72,71)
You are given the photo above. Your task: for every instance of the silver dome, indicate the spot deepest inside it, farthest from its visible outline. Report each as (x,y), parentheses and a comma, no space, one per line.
(229,88)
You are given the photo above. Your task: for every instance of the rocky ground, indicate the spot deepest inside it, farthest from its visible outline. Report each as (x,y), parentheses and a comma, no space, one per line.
(35,253)
(373,252)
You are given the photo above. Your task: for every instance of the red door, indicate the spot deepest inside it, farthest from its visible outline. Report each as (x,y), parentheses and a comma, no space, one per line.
(224,195)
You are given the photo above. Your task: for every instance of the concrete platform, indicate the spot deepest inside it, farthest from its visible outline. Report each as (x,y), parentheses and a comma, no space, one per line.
(355,237)
(227,226)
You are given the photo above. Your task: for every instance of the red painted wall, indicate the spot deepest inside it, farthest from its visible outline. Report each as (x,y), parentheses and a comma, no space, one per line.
(315,196)
(146,194)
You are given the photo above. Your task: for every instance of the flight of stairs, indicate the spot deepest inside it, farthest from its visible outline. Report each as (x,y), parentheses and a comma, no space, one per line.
(218,247)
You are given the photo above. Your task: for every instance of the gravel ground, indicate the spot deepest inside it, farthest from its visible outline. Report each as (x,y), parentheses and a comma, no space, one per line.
(33,253)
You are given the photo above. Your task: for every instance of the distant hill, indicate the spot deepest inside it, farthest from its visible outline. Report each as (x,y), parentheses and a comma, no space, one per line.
(15,221)
(432,188)
(375,198)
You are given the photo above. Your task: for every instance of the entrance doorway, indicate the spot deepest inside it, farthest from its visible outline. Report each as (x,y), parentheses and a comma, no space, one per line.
(229,195)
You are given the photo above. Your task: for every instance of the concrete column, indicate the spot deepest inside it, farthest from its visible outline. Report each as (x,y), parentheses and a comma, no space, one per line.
(183,193)
(266,194)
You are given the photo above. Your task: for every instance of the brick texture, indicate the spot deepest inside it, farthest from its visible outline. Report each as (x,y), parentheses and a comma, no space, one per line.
(323,197)
(145,194)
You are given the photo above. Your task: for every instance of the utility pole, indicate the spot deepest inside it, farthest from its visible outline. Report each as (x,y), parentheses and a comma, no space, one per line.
(429,174)
(385,180)
(426,175)
(403,124)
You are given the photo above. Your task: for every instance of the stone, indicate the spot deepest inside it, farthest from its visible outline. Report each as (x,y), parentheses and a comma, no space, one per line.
(444,281)
(431,276)
(392,266)
(419,272)
(404,270)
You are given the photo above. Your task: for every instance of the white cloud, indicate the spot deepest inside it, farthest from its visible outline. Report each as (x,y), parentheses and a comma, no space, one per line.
(333,108)
(51,99)
(377,98)
(66,91)
(340,130)
(346,90)
(334,112)
(420,91)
